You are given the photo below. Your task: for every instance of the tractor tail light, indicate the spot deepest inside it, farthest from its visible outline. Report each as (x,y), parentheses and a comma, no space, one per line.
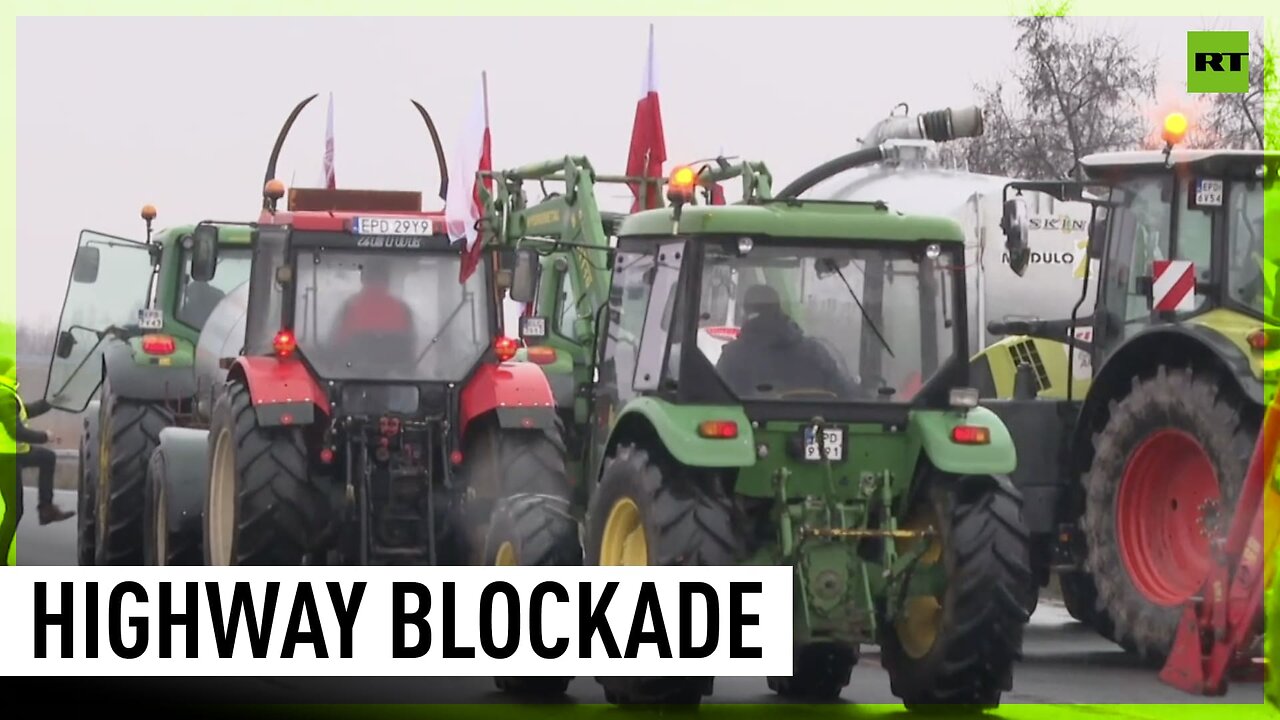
(970,435)
(504,348)
(158,345)
(542,355)
(1261,339)
(718,429)
(326,456)
(284,343)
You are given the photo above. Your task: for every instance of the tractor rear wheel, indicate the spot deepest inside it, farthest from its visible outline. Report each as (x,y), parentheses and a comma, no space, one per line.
(87,480)
(261,505)
(1172,456)
(128,432)
(648,513)
(533,530)
(958,646)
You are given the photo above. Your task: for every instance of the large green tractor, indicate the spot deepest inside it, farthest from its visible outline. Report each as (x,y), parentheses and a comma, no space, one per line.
(124,357)
(838,434)
(1146,455)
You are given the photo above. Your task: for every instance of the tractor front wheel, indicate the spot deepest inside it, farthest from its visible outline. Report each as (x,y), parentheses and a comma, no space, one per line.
(957,644)
(650,513)
(128,432)
(261,505)
(1167,467)
(533,530)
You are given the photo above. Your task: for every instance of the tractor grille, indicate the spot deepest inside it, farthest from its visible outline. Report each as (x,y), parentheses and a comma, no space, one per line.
(1025,352)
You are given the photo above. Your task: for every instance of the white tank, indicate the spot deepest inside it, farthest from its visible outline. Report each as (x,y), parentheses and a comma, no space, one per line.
(222,337)
(913,181)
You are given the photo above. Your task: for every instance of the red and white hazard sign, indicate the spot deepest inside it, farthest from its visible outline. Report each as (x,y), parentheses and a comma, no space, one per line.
(1173,285)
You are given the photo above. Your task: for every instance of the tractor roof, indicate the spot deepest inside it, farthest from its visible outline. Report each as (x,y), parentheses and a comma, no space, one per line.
(333,210)
(1208,161)
(231,234)
(838,220)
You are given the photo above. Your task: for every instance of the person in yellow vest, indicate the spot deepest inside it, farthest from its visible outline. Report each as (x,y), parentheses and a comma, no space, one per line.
(18,440)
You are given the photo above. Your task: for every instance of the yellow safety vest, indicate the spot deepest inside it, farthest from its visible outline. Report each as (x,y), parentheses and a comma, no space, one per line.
(10,445)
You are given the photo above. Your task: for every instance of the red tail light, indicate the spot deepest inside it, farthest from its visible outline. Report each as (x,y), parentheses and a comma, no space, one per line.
(970,435)
(504,348)
(158,345)
(326,456)
(722,332)
(1262,339)
(455,457)
(284,343)
(718,429)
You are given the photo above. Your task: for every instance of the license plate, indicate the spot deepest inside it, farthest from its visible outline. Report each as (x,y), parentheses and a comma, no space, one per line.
(411,227)
(533,327)
(833,438)
(1208,193)
(150,319)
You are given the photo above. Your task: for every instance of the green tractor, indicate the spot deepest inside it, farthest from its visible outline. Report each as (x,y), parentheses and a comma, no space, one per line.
(1146,456)
(125,358)
(838,434)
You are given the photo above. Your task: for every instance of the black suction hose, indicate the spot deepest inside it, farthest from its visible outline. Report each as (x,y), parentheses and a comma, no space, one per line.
(829,169)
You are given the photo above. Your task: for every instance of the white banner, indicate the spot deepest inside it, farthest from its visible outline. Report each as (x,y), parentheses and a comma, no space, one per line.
(396,621)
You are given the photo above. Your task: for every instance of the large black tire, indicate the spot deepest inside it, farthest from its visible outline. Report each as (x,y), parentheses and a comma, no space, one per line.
(1199,406)
(1080,596)
(261,506)
(500,463)
(173,532)
(128,432)
(685,523)
(822,670)
(533,530)
(87,485)
(986,553)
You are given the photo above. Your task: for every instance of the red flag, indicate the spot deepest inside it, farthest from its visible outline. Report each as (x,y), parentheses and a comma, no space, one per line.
(330,178)
(717,194)
(648,144)
(462,202)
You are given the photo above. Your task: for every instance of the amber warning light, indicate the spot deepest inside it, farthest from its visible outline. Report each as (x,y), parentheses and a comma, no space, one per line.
(1175,128)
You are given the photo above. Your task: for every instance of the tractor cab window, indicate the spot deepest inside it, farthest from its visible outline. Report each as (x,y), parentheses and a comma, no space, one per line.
(384,315)
(1195,237)
(826,322)
(1251,275)
(1139,228)
(196,300)
(629,294)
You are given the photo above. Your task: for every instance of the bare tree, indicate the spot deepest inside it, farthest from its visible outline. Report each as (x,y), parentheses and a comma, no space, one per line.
(1074,93)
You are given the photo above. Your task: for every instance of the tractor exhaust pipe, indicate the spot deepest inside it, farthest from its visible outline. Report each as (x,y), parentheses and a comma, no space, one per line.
(293,117)
(937,125)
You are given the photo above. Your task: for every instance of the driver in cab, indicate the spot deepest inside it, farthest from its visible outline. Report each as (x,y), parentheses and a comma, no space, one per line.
(375,318)
(772,355)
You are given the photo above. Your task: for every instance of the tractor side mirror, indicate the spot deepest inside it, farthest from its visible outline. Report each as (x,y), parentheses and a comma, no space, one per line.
(1017,227)
(204,253)
(524,279)
(66,342)
(85,267)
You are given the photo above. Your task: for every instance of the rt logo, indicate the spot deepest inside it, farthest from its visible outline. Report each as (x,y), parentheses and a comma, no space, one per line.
(1217,62)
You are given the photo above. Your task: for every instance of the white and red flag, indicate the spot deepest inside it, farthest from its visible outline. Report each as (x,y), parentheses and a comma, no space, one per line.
(648,143)
(462,202)
(330,178)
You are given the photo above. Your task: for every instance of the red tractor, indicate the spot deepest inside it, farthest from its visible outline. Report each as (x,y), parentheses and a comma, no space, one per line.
(366,411)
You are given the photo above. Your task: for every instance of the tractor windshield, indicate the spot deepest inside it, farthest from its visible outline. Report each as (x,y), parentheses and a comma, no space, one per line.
(808,321)
(196,300)
(397,316)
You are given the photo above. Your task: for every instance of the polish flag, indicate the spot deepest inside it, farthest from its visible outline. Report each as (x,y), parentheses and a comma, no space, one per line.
(648,145)
(330,178)
(462,201)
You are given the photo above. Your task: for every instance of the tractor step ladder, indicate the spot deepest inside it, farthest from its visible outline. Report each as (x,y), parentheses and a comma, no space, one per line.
(1221,626)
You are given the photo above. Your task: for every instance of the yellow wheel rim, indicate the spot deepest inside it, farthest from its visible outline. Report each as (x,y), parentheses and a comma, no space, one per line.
(920,623)
(506,555)
(624,541)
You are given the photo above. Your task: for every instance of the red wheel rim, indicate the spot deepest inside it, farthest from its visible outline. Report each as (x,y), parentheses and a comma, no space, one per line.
(1158,516)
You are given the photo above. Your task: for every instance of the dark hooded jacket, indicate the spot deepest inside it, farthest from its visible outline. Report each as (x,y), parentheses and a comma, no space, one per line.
(772,355)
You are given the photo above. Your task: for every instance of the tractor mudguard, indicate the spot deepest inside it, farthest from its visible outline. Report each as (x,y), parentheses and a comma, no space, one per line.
(186,454)
(136,380)
(932,429)
(519,392)
(677,427)
(283,389)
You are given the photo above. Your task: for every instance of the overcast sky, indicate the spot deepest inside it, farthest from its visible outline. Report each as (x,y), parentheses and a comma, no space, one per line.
(114,113)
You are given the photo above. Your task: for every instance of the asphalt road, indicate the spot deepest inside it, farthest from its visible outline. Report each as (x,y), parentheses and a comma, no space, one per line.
(1064,663)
